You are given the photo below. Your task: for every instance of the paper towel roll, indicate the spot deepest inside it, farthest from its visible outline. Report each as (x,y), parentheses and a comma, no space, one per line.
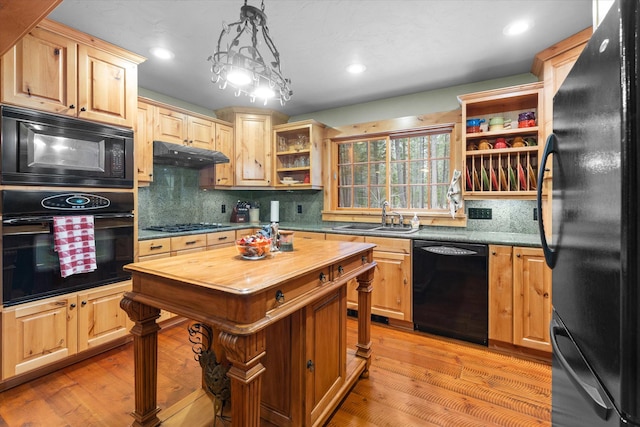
(275,211)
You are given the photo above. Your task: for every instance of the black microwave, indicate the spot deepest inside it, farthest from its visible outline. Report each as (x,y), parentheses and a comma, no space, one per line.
(39,148)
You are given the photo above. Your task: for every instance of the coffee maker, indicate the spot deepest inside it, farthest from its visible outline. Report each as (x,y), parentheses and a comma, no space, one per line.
(240,212)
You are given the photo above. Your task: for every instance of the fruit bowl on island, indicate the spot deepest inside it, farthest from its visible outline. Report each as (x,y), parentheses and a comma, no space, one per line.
(255,246)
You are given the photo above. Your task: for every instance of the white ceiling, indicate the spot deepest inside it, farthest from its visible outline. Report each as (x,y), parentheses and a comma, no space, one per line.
(408,46)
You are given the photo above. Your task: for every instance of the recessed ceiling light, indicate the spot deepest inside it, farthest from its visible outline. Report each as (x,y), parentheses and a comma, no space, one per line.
(356,68)
(516,27)
(162,53)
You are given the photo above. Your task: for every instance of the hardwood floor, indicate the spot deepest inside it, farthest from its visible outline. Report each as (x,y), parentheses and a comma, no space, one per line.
(415,380)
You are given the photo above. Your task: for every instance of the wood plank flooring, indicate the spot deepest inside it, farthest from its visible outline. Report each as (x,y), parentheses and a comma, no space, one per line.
(415,380)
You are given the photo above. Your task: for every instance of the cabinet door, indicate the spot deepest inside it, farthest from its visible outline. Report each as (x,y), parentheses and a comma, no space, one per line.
(532,299)
(200,133)
(500,293)
(253,150)
(325,343)
(100,318)
(224,144)
(391,296)
(107,87)
(40,72)
(169,126)
(38,334)
(144,143)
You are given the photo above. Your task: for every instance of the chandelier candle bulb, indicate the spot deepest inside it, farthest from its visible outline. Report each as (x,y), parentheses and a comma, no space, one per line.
(275,211)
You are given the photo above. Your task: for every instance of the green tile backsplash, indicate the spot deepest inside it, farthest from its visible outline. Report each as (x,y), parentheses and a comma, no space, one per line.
(174,197)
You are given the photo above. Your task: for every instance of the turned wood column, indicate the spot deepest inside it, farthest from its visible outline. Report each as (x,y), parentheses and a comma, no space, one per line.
(364,318)
(145,353)
(244,353)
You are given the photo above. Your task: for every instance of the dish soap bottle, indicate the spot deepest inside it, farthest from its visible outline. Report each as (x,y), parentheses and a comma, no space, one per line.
(415,221)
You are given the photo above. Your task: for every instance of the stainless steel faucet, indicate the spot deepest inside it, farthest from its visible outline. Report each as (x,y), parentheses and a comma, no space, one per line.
(385,205)
(400,219)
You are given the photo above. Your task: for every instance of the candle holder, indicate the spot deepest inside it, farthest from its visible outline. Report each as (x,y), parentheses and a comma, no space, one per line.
(274,237)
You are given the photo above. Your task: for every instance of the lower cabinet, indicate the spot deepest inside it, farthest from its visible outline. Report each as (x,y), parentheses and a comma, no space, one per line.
(519,297)
(300,382)
(43,332)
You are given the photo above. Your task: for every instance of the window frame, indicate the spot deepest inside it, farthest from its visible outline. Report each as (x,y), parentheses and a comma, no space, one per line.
(394,128)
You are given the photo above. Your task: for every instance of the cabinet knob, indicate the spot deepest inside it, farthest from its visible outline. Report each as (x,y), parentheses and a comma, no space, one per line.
(279,296)
(493,252)
(83,303)
(322,277)
(83,109)
(72,106)
(518,255)
(340,269)
(73,305)
(310,365)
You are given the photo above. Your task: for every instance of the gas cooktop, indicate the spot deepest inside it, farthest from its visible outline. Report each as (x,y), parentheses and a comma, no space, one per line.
(175,228)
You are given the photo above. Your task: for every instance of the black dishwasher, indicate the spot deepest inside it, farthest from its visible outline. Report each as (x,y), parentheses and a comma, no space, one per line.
(450,290)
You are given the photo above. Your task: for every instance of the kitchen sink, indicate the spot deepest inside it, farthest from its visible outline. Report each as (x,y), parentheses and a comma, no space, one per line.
(359,227)
(376,228)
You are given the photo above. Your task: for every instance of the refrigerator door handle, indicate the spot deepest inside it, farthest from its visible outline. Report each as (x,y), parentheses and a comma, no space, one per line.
(595,396)
(549,148)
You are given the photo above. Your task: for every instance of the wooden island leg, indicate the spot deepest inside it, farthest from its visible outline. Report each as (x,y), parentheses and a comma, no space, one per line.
(244,353)
(364,319)
(145,353)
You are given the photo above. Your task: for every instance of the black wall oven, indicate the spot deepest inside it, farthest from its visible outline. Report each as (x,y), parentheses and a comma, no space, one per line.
(31,266)
(46,149)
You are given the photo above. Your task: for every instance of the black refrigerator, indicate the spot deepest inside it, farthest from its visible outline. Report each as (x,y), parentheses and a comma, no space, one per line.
(595,156)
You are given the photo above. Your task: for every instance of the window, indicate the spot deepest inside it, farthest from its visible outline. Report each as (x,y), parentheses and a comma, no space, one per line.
(411,170)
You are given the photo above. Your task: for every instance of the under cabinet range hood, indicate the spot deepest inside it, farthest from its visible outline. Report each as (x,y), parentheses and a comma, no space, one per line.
(166,153)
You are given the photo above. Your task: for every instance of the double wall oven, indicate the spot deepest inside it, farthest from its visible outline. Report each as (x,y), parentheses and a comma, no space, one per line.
(58,166)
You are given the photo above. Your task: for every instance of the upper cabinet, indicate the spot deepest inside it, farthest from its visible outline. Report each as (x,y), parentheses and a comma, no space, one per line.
(19,17)
(501,159)
(253,144)
(58,69)
(298,155)
(161,122)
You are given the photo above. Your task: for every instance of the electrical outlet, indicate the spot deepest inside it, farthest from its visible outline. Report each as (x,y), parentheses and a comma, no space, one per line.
(299,209)
(479,213)
(224,208)
(535,214)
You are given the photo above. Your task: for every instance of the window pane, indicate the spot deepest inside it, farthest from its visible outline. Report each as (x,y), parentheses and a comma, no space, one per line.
(378,174)
(440,146)
(439,197)
(399,196)
(419,147)
(398,173)
(399,149)
(344,151)
(360,175)
(378,150)
(419,172)
(346,177)
(344,197)
(377,196)
(440,171)
(360,152)
(360,197)
(419,197)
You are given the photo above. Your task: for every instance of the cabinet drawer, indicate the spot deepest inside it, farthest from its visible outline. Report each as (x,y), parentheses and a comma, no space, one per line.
(154,247)
(221,237)
(188,242)
(293,289)
(344,237)
(347,266)
(389,244)
(308,235)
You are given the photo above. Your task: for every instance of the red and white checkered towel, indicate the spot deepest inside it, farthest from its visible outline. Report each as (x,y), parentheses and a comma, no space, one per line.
(74,240)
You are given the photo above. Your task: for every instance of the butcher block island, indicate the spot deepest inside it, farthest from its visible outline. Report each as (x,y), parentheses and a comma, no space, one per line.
(278,325)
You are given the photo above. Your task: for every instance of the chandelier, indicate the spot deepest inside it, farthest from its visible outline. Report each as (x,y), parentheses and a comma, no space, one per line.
(247,60)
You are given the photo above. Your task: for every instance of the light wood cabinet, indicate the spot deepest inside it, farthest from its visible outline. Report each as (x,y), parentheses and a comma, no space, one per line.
(143,139)
(352,285)
(177,127)
(100,318)
(162,122)
(224,172)
(519,297)
(510,172)
(58,69)
(298,155)
(253,144)
(40,333)
(191,243)
(220,239)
